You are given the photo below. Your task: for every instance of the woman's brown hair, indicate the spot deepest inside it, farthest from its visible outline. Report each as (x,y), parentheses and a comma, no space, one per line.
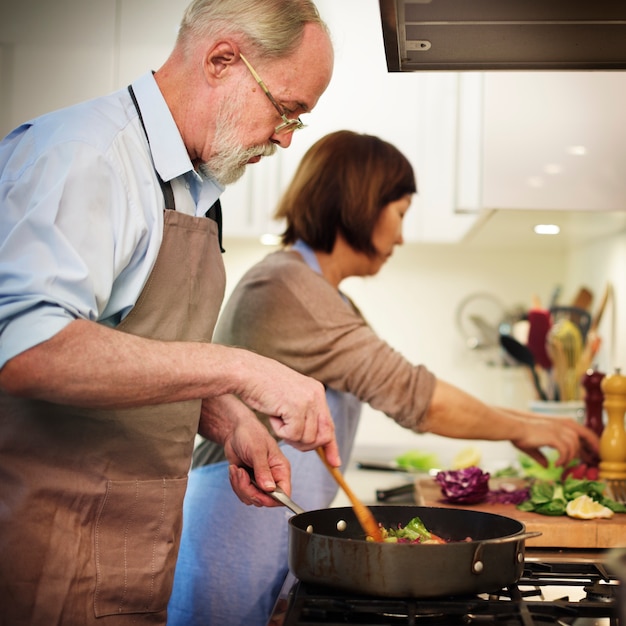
(341,185)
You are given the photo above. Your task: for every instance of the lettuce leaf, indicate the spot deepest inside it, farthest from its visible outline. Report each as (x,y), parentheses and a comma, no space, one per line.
(416,460)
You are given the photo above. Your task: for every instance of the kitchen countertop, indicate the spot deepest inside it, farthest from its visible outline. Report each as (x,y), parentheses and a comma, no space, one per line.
(560,531)
(557,532)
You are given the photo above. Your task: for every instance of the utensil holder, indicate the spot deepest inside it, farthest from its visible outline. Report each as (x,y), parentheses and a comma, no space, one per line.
(574,409)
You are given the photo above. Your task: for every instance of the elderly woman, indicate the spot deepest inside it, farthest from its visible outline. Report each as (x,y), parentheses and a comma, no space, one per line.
(344,210)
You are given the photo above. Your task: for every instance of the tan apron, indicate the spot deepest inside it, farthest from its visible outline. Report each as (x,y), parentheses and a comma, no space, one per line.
(91,500)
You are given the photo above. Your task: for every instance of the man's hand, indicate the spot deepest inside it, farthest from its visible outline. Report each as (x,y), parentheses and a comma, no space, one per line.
(246,441)
(296,405)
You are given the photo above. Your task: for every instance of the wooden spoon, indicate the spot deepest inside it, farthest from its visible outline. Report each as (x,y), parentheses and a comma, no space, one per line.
(363,514)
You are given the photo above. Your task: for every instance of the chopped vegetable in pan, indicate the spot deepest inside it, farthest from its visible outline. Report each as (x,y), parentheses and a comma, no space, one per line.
(413,532)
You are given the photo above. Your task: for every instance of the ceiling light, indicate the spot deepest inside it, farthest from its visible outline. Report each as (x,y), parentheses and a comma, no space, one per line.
(547,229)
(577,150)
(270,240)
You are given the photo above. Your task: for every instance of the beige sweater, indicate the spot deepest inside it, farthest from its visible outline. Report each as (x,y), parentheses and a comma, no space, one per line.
(284,310)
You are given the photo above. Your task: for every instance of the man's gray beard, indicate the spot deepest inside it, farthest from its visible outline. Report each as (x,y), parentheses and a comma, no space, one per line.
(230,160)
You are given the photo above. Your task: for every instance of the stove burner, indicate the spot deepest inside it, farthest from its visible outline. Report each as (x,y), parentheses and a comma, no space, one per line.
(521,604)
(599,592)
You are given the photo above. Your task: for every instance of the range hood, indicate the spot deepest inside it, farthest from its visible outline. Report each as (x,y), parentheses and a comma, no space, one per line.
(504,34)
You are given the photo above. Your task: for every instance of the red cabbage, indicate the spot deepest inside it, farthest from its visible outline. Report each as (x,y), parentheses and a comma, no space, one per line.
(465,486)
(508,496)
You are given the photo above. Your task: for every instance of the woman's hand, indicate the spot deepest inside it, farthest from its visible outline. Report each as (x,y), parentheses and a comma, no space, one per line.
(569,438)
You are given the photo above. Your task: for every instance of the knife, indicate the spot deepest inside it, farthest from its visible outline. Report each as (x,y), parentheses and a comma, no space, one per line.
(393,467)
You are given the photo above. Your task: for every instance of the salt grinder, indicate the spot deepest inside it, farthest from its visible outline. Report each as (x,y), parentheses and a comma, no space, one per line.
(594,399)
(613,440)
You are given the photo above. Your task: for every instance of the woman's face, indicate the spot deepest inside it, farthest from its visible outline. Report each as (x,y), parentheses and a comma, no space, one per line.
(388,232)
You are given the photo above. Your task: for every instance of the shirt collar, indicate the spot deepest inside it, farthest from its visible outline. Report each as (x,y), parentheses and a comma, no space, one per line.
(168,150)
(308,254)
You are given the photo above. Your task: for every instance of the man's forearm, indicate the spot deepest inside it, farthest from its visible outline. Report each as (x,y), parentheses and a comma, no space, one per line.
(90,365)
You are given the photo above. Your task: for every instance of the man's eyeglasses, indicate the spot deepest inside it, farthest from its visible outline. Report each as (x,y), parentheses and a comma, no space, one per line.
(288,125)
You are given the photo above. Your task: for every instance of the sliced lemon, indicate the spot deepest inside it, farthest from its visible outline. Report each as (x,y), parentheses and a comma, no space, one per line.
(585,507)
(467,457)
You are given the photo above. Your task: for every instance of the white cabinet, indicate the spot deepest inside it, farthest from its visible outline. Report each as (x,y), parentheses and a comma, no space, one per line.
(146,34)
(554,140)
(53,54)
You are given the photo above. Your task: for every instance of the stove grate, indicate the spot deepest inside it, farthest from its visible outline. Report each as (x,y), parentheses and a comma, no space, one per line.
(309,610)
(521,604)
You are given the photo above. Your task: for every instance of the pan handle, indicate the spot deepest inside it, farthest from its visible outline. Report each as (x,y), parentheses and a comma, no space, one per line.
(478,565)
(278,494)
(512,538)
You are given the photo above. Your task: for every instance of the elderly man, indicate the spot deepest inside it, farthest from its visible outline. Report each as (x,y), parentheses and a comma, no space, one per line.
(111,282)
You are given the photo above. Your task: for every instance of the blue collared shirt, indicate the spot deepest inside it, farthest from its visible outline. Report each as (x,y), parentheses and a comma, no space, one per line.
(81,211)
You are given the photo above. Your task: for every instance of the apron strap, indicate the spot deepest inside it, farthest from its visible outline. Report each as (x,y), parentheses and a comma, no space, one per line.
(215,213)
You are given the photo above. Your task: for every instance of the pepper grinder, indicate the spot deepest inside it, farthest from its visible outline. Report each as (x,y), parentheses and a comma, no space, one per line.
(594,399)
(613,439)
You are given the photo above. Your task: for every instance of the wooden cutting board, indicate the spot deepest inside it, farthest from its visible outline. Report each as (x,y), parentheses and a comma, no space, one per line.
(557,532)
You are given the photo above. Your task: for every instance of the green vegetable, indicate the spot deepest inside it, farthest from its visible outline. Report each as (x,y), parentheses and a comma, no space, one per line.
(616,507)
(421,461)
(549,497)
(417,526)
(533,469)
(575,487)
(546,497)
(413,531)
(506,472)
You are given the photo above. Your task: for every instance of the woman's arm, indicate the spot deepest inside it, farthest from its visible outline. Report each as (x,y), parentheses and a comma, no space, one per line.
(455,413)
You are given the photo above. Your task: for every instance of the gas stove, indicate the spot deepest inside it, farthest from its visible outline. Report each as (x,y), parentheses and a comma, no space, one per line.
(563,588)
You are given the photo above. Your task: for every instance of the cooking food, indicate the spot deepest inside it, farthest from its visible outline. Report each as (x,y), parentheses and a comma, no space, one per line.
(413,532)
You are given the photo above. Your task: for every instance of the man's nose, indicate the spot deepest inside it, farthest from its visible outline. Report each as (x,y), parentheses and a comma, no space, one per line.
(282,139)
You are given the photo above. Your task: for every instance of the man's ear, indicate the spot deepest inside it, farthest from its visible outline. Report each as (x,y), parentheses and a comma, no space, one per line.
(218,60)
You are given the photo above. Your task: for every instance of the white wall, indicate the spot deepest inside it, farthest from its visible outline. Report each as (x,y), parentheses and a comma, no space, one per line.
(54,53)
(597,263)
